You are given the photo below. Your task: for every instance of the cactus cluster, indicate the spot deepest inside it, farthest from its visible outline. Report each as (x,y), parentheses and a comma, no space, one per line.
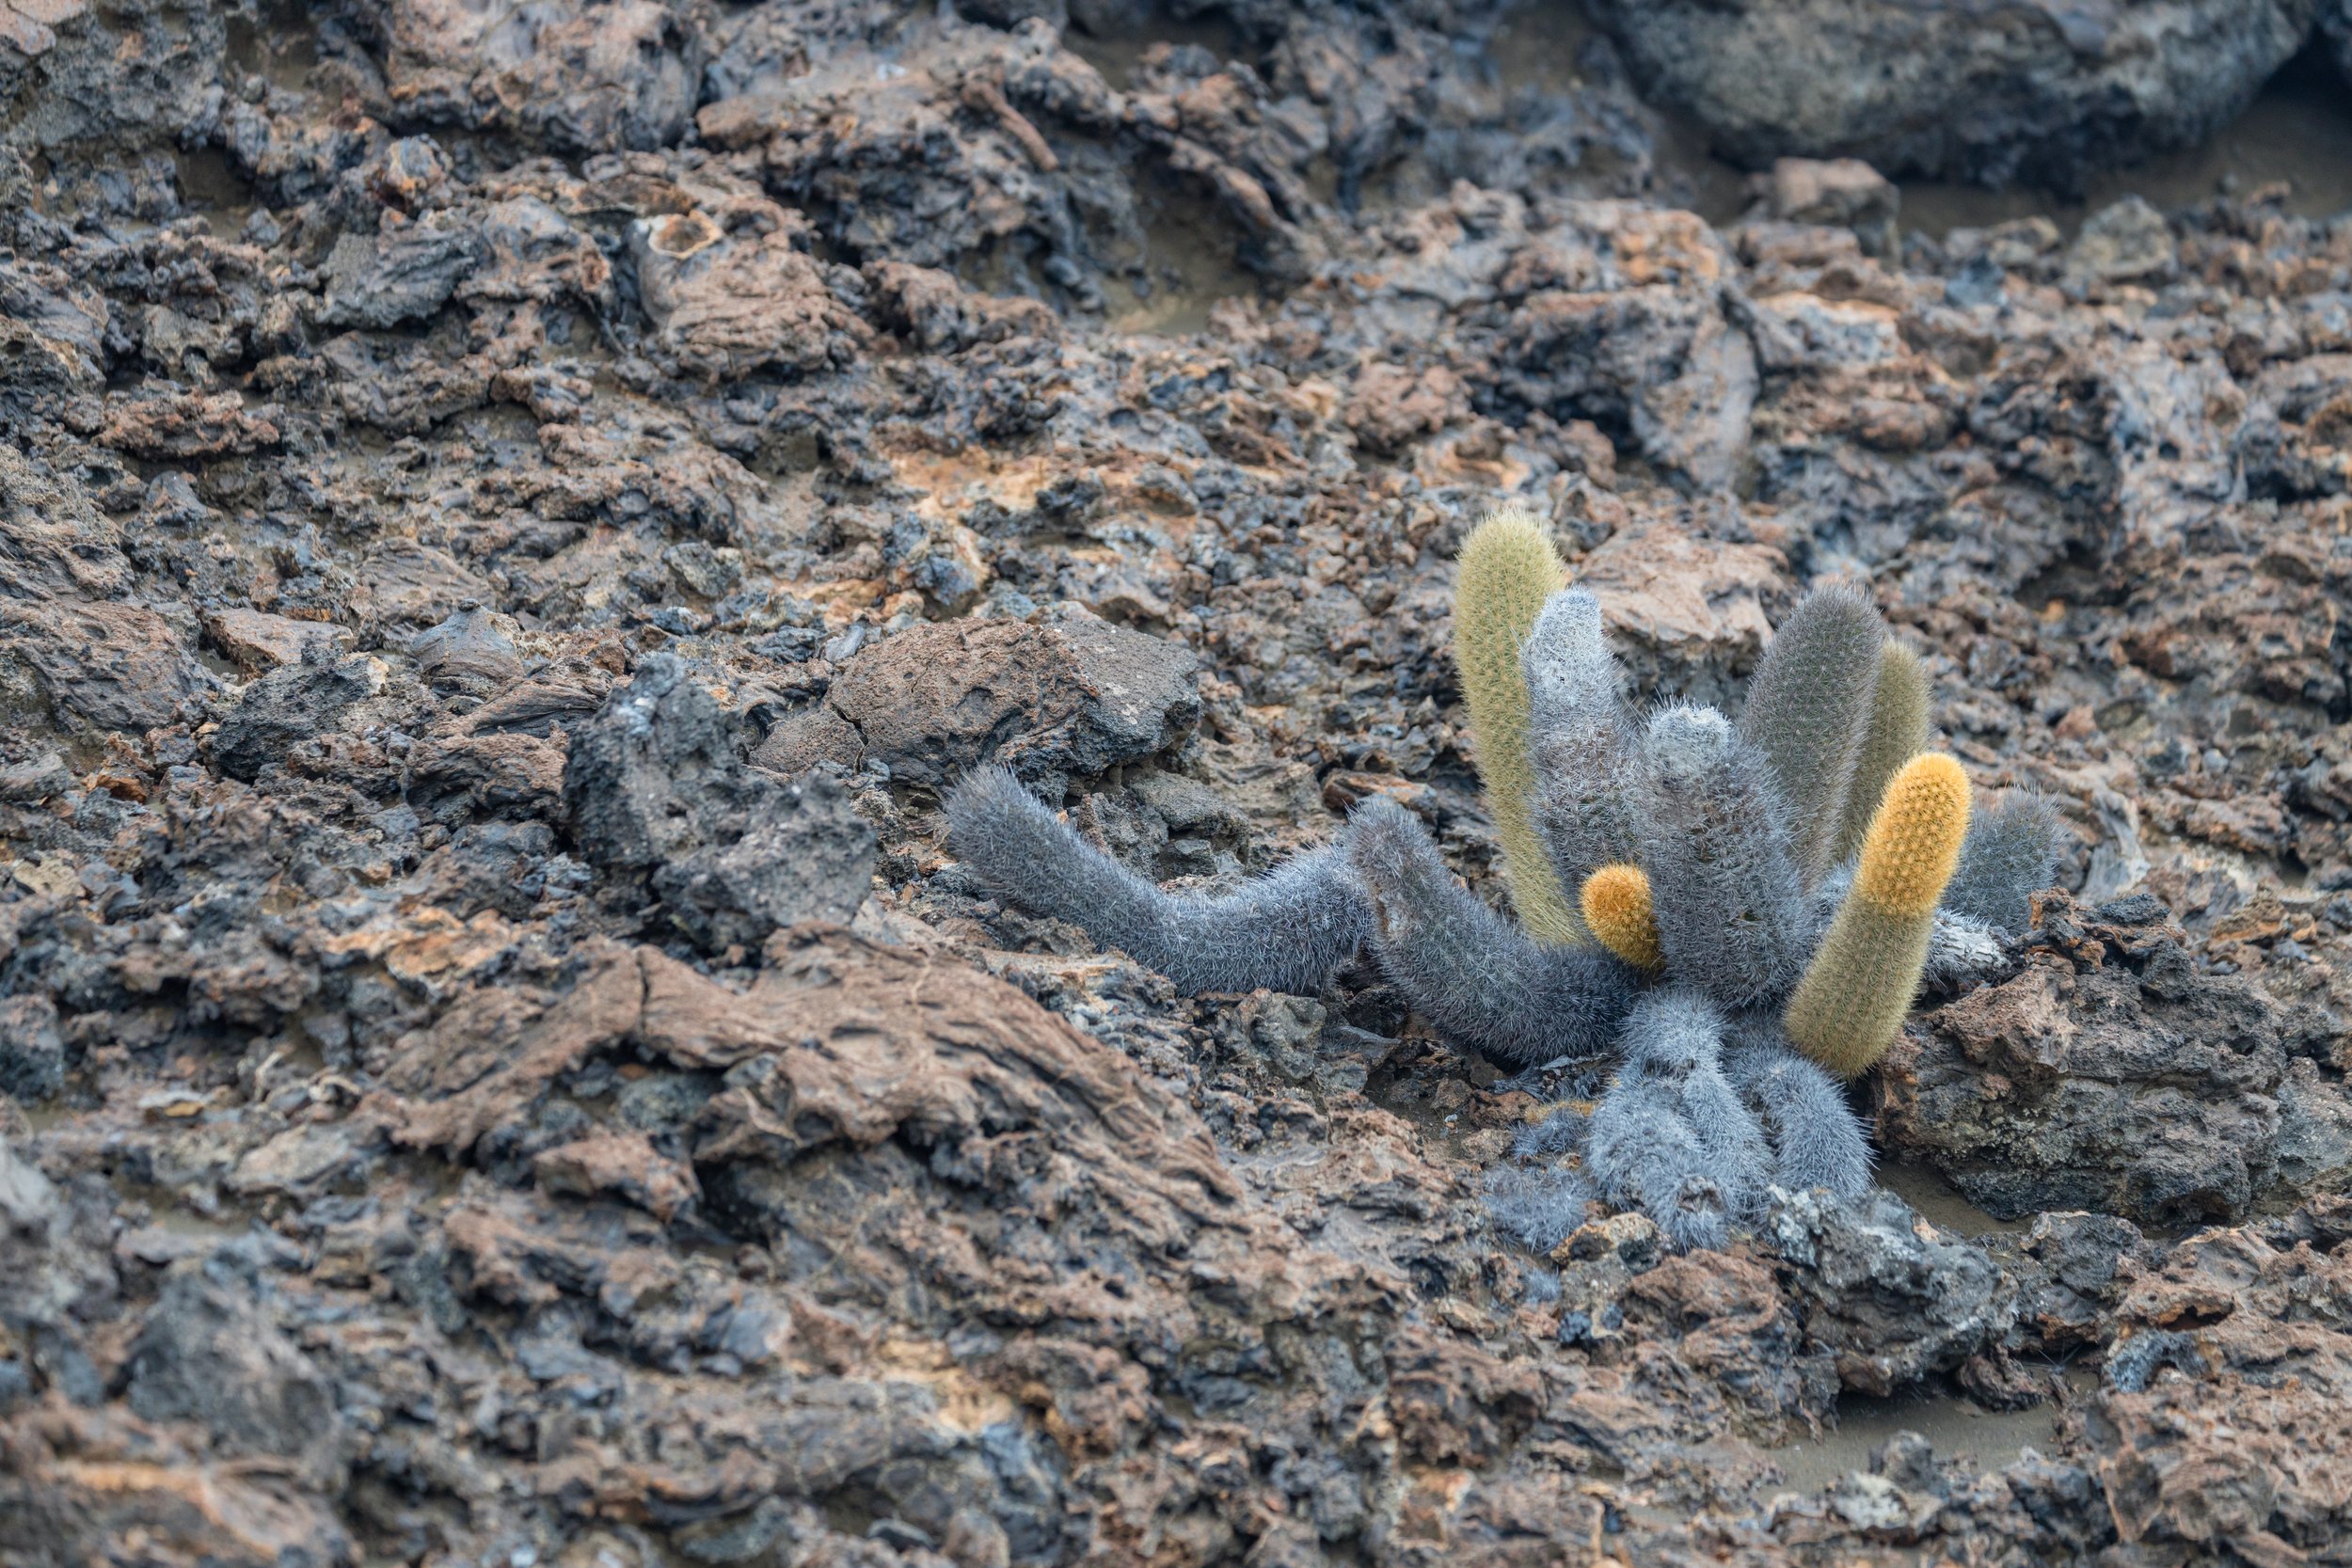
(1739,913)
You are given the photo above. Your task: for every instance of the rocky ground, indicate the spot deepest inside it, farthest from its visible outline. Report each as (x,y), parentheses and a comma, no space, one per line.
(509,518)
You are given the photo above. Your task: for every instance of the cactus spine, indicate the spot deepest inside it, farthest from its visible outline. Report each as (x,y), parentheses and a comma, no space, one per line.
(1508,570)
(1898,732)
(2010,855)
(1584,745)
(1617,912)
(1725,893)
(1852,1000)
(1807,708)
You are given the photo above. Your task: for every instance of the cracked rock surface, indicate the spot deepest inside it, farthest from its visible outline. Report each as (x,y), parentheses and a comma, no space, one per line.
(509,520)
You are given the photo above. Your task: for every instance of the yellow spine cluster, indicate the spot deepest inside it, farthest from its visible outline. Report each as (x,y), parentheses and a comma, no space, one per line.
(1851,1004)
(1617,912)
(1508,569)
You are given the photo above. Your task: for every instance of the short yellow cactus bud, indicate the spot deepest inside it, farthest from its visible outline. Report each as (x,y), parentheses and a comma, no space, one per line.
(1617,912)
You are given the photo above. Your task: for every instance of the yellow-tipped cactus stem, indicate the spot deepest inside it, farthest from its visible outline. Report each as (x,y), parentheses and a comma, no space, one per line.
(1617,912)
(1898,732)
(1851,1004)
(1508,569)
(1915,838)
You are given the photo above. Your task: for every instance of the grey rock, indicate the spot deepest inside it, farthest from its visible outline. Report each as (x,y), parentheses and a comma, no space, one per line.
(405,274)
(2009,91)
(1889,1296)
(653,789)
(210,1353)
(809,856)
(653,775)
(1663,363)
(1845,193)
(2124,242)
(31,783)
(55,1274)
(30,1219)
(2121,1079)
(1067,698)
(32,1056)
(2071,1271)
(289,704)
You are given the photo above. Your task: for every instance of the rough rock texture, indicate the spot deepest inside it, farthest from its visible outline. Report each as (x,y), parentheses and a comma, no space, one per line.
(2109,1074)
(1068,696)
(652,787)
(2001,92)
(1891,1298)
(508,519)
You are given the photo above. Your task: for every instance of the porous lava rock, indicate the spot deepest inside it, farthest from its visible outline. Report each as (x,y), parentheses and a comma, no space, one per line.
(509,518)
(2002,93)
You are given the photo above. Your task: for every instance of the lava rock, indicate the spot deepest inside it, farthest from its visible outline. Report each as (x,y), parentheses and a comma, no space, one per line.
(1845,192)
(473,649)
(210,1353)
(573,76)
(653,789)
(2125,243)
(401,274)
(2044,95)
(30,782)
(2071,1271)
(30,1218)
(654,774)
(1069,697)
(289,705)
(1887,1294)
(32,1056)
(2112,1074)
(806,856)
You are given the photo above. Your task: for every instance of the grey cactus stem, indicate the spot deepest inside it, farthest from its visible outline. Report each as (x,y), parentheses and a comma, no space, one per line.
(1285,931)
(1582,741)
(1731,916)
(2009,855)
(1808,706)
(1468,971)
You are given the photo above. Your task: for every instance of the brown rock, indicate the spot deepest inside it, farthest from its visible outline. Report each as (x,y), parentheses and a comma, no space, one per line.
(257,641)
(623,1163)
(1073,696)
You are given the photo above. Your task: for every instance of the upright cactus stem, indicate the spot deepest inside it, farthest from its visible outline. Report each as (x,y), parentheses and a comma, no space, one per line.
(1808,707)
(1898,732)
(1852,1000)
(1584,745)
(1729,906)
(1616,906)
(1508,569)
